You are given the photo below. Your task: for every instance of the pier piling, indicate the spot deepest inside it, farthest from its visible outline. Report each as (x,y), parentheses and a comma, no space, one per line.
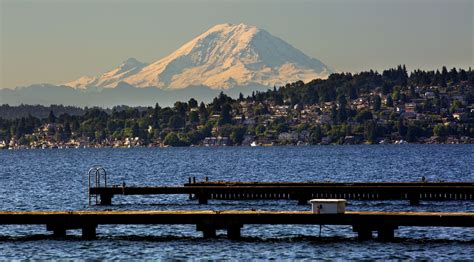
(106,199)
(89,232)
(386,233)
(363,232)
(233,232)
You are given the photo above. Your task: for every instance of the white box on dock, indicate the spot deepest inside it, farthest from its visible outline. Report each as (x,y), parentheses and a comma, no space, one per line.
(328,206)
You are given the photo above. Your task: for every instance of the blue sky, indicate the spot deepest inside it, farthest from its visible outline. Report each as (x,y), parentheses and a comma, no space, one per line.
(58,41)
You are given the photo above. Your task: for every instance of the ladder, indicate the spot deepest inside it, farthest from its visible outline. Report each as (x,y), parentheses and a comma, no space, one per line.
(95,175)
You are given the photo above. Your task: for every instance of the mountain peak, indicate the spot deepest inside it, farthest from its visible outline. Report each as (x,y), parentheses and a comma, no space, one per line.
(131,61)
(229,26)
(225,56)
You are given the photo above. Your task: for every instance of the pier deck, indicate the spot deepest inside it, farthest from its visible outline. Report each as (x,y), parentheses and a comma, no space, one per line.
(364,223)
(302,192)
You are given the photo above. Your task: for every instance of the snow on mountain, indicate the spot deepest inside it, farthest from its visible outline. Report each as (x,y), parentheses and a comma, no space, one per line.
(225,56)
(110,79)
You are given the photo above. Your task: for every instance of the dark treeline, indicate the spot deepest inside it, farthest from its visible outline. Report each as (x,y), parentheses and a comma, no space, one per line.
(41,111)
(351,85)
(38,111)
(436,95)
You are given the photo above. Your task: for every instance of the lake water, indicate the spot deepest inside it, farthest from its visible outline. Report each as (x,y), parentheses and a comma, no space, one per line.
(55,179)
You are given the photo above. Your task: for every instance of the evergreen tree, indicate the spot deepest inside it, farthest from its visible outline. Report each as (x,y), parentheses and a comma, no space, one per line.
(135,130)
(172,139)
(352,92)
(180,108)
(401,128)
(51,117)
(453,76)
(370,132)
(444,77)
(238,134)
(316,135)
(241,97)
(192,103)
(21,128)
(226,117)
(389,101)
(342,112)
(377,103)
(59,134)
(278,99)
(176,122)
(194,117)
(202,108)
(334,113)
(67,131)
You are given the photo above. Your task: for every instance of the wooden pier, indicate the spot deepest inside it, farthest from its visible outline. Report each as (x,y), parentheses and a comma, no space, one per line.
(364,223)
(301,192)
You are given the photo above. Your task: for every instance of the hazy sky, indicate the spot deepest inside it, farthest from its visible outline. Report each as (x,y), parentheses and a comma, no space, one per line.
(58,41)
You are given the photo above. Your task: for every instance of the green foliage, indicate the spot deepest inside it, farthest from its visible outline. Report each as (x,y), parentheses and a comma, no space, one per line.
(226,117)
(440,130)
(237,135)
(194,117)
(192,103)
(363,116)
(176,122)
(316,135)
(389,101)
(172,139)
(370,132)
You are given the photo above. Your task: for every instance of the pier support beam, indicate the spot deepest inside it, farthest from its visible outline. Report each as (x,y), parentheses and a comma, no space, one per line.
(386,234)
(89,232)
(209,232)
(414,199)
(105,199)
(202,198)
(363,233)
(58,230)
(233,232)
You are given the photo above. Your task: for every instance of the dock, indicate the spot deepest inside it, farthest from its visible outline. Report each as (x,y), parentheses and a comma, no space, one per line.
(363,223)
(301,192)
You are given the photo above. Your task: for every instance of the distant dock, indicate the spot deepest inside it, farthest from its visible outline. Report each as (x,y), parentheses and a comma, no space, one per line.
(301,192)
(363,223)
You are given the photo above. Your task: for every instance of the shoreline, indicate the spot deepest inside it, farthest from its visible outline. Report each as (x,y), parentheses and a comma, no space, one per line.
(228,146)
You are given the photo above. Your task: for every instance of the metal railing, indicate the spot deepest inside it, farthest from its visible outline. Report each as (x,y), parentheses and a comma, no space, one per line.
(95,176)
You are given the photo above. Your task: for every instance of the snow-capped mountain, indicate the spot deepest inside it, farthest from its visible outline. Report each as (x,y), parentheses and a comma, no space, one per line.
(225,56)
(110,79)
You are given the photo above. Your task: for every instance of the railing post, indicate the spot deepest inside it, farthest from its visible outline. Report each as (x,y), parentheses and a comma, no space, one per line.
(89,188)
